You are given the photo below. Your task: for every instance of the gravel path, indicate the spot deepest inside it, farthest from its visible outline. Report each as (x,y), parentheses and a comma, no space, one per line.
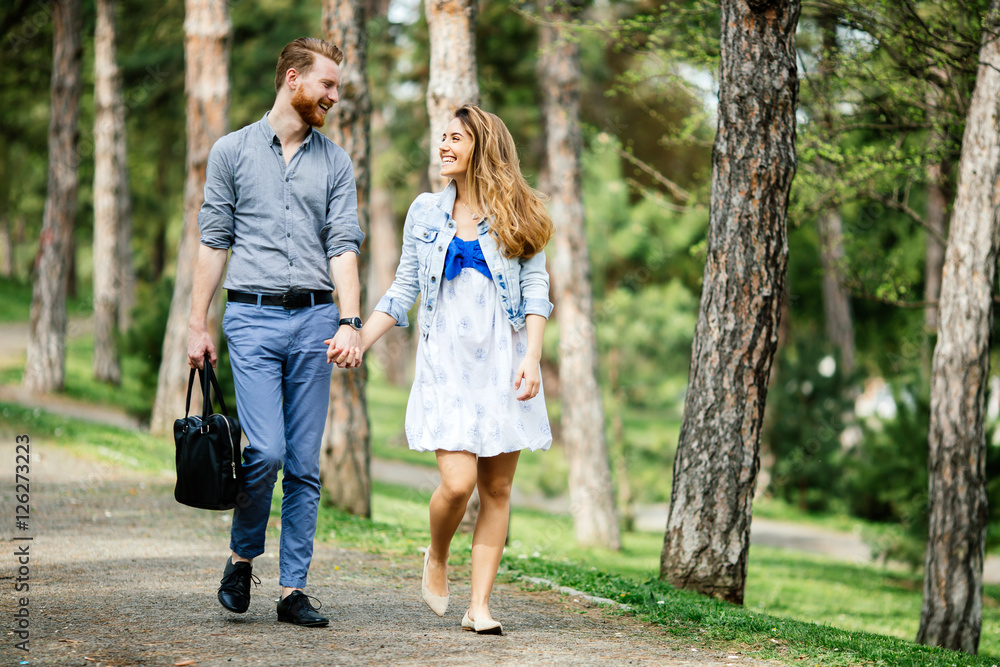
(122,575)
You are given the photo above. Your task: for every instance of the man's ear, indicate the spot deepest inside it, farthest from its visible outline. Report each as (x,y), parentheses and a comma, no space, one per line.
(291,78)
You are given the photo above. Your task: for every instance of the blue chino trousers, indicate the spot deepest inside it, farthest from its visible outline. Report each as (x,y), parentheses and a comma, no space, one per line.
(282,393)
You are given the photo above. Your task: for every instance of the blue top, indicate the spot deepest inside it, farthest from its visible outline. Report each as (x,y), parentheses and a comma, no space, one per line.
(465,255)
(283,223)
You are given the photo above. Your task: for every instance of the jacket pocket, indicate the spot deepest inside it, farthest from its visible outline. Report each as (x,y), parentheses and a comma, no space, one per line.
(425,233)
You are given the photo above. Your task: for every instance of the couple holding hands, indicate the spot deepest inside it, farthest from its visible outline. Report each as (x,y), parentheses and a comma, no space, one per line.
(282,198)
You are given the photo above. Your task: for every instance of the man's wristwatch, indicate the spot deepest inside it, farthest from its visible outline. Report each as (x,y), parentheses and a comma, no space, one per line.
(354,322)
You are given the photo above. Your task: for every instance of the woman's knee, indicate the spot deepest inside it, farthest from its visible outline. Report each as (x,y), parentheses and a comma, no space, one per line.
(457,490)
(495,490)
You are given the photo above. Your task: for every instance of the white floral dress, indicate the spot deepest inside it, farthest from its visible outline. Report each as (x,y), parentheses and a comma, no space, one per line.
(463,396)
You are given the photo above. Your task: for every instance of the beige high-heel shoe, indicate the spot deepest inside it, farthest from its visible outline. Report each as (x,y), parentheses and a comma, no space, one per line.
(490,627)
(437,603)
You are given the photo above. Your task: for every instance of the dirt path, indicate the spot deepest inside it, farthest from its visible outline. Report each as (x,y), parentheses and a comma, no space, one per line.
(122,575)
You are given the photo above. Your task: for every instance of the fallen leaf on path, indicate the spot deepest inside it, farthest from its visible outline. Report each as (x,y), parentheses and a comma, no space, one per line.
(183,663)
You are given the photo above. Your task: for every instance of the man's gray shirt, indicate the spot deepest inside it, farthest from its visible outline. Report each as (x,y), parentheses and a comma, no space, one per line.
(282,223)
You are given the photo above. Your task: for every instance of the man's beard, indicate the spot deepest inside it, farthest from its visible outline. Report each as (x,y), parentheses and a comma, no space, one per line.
(307,109)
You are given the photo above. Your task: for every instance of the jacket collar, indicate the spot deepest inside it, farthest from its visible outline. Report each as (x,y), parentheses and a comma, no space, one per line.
(446,202)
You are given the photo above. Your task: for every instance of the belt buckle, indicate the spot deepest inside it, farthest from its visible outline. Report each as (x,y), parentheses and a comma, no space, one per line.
(292,299)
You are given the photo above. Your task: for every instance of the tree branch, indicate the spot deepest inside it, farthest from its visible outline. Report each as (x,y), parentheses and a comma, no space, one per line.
(678,192)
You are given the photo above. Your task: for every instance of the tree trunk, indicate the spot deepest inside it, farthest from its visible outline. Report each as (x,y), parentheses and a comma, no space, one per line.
(590,487)
(206,82)
(345,460)
(935,216)
(126,269)
(707,539)
(953,582)
(45,368)
(836,300)
(108,123)
(451,28)
(393,351)
(6,247)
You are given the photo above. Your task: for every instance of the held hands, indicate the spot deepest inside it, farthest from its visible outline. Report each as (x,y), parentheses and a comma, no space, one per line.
(530,373)
(344,348)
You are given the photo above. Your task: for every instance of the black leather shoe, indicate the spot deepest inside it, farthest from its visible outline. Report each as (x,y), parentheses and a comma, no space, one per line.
(234,591)
(297,609)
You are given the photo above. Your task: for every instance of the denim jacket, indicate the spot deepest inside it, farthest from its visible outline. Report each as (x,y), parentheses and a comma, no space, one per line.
(522,284)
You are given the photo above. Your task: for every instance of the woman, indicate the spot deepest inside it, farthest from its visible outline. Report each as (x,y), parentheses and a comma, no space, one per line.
(474,254)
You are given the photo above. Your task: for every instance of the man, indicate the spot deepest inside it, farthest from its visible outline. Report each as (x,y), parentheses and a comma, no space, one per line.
(282,197)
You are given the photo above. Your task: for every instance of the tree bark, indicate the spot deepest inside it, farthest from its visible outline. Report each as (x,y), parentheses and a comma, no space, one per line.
(935,216)
(451,28)
(393,351)
(6,248)
(109,123)
(206,81)
(126,268)
(836,299)
(345,459)
(707,539)
(590,486)
(45,369)
(953,582)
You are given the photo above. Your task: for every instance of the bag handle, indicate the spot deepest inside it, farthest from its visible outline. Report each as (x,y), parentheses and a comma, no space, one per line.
(209,376)
(205,378)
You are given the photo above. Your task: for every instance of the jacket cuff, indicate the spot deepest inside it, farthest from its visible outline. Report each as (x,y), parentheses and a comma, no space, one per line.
(541,307)
(394,310)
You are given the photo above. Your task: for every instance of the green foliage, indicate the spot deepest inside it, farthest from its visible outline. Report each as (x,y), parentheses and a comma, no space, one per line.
(144,340)
(808,406)
(885,476)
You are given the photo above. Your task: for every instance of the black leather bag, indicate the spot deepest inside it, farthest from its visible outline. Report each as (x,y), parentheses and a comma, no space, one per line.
(208,456)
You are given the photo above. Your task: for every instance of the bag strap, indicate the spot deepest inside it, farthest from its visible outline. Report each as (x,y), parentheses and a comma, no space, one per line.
(206,377)
(187,403)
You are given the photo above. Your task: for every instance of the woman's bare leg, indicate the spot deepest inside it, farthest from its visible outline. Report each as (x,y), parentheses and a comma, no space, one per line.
(496,474)
(448,503)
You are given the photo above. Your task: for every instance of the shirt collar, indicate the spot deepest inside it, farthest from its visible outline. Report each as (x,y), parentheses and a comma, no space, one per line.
(272,136)
(268,131)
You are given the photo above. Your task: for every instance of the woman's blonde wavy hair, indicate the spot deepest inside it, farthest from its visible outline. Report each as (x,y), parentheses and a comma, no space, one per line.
(520,221)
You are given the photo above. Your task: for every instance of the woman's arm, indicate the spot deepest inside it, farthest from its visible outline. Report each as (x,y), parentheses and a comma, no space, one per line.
(375,327)
(530,370)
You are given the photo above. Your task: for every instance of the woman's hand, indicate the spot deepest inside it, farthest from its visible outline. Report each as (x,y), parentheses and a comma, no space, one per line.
(530,374)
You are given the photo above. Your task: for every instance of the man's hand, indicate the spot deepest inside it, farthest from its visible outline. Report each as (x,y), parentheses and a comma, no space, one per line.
(344,348)
(200,344)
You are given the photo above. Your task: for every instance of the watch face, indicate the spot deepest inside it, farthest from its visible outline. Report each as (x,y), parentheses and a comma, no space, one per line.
(352,321)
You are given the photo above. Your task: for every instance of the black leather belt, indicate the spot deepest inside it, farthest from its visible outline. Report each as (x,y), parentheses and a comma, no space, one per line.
(288,300)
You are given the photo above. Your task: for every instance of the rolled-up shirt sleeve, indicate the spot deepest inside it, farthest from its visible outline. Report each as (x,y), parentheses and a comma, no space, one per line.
(216,217)
(342,233)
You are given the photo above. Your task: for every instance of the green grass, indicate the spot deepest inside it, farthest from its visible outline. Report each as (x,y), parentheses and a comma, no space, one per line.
(95,442)
(81,385)
(15,306)
(782,586)
(652,441)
